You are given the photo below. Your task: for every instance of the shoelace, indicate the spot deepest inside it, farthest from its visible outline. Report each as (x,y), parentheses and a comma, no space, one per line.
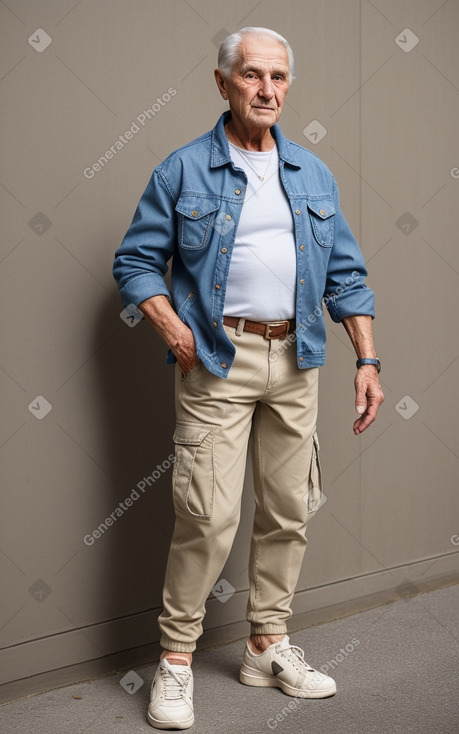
(295,655)
(174,683)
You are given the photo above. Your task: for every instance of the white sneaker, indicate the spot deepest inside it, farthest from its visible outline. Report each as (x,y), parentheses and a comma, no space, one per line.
(171,698)
(283,666)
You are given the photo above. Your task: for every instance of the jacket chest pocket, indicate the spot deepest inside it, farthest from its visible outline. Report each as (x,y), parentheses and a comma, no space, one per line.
(195,217)
(322,217)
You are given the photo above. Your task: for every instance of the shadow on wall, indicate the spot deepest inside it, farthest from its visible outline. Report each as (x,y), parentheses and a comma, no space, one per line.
(135,389)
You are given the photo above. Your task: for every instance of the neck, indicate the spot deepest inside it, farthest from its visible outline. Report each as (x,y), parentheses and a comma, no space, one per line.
(259,139)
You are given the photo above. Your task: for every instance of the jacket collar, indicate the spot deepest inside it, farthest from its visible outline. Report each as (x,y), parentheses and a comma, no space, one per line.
(220,154)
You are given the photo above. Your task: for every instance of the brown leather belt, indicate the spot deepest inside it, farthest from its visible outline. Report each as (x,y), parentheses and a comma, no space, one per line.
(273,330)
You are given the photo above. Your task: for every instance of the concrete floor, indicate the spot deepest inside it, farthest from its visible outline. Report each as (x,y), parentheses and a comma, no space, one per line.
(396,667)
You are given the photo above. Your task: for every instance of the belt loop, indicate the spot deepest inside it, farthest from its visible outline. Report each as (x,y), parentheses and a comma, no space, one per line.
(240,327)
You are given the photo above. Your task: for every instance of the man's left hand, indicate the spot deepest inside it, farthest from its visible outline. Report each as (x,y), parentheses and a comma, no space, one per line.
(368,397)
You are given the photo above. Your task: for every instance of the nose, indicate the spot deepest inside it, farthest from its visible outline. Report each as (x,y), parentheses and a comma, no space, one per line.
(266,89)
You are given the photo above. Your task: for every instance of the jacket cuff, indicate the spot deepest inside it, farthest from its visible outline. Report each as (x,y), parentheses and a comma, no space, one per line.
(361,303)
(142,287)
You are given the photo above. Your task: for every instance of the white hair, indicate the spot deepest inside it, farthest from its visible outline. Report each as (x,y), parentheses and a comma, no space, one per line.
(229,49)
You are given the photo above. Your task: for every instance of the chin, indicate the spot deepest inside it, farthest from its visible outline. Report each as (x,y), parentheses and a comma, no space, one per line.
(264,118)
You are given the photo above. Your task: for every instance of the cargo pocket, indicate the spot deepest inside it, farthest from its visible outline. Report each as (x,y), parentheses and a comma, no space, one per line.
(195,215)
(194,468)
(316,497)
(322,218)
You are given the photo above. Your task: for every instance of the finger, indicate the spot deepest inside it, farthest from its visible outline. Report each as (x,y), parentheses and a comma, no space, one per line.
(187,363)
(360,402)
(362,423)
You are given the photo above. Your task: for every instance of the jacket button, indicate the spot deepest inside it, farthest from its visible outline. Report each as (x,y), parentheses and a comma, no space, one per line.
(217,287)
(223,364)
(301,359)
(321,211)
(215,324)
(297,211)
(301,247)
(224,250)
(237,192)
(194,213)
(228,216)
(301,281)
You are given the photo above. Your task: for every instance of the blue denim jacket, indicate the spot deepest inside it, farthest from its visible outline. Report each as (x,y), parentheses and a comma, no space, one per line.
(190,210)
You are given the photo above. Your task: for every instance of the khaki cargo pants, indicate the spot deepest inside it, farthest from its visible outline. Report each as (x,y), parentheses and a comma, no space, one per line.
(268,397)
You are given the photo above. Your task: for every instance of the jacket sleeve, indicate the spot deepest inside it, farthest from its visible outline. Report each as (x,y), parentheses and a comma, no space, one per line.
(141,260)
(346,293)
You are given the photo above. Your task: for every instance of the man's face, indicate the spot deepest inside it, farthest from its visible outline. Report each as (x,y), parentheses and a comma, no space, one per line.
(259,82)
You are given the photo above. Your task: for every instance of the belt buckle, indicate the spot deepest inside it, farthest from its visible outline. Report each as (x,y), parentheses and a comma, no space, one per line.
(267,334)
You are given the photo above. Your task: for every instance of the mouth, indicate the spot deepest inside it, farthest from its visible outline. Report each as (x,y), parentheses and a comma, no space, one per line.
(268,109)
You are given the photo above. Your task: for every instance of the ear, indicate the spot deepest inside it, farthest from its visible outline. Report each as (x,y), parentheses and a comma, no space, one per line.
(221,83)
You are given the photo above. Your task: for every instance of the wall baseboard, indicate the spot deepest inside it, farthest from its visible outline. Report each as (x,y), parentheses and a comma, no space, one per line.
(117,645)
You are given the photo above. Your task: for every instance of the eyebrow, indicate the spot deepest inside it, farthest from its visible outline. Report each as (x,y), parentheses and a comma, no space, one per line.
(249,67)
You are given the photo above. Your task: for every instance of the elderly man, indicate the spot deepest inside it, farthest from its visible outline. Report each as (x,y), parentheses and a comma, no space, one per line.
(253,223)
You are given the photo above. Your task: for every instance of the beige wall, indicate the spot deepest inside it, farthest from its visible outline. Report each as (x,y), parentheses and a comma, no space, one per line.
(390,111)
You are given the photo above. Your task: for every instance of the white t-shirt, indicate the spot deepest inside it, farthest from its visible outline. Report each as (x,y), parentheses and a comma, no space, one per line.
(262,276)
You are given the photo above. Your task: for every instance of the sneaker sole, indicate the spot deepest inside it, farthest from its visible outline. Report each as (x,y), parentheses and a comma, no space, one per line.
(265,681)
(170,724)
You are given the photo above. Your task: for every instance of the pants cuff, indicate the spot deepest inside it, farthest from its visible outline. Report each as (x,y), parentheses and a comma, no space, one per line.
(268,629)
(175,646)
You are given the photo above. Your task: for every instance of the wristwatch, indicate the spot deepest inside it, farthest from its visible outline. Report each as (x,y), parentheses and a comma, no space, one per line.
(375,362)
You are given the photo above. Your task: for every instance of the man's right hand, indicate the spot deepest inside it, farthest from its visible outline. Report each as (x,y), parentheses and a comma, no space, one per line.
(177,335)
(184,349)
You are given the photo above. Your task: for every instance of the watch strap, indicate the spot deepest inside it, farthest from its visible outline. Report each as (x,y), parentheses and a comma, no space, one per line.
(374,362)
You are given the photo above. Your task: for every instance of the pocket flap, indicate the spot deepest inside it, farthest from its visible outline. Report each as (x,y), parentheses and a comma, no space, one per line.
(315,496)
(191,434)
(322,208)
(195,207)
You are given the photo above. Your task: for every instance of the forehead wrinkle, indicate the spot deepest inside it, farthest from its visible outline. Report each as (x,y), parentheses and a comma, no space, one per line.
(255,62)
(274,55)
